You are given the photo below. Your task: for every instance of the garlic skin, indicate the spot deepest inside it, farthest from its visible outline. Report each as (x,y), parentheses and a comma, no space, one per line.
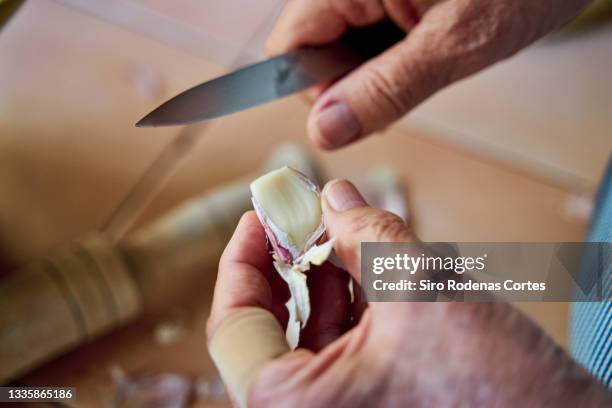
(288,206)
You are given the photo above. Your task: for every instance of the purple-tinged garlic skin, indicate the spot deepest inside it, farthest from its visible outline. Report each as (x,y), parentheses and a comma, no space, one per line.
(280,240)
(290,198)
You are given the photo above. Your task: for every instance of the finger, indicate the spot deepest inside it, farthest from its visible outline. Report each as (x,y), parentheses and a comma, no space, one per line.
(304,22)
(312,22)
(330,307)
(452,40)
(374,95)
(276,385)
(404,13)
(359,13)
(350,220)
(245,271)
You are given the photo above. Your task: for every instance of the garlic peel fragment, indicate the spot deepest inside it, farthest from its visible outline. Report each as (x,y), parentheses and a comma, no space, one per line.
(295,277)
(294,274)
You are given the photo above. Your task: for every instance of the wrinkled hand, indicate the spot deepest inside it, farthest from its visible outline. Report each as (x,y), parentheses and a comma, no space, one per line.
(447,41)
(391,354)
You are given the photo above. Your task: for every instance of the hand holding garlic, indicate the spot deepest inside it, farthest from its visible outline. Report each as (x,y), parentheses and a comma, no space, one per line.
(394,354)
(288,206)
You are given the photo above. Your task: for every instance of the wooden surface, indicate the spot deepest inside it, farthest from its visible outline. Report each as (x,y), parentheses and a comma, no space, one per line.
(546,110)
(452,196)
(69,152)
(555,123)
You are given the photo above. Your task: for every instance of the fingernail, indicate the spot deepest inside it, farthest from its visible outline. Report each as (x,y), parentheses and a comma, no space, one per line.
(341,195)
(337,124)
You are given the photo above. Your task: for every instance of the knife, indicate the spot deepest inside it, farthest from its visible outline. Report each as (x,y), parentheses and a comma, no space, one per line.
(275,78)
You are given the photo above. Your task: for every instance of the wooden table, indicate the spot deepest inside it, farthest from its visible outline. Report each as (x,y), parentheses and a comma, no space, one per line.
(70,151)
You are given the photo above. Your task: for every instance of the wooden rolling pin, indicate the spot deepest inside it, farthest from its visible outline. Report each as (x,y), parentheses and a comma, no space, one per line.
(95,285)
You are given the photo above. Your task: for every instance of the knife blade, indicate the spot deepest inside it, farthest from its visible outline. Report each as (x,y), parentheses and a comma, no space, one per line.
(275,78)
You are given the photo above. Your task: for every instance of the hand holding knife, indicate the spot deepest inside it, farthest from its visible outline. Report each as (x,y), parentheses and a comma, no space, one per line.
(275,78)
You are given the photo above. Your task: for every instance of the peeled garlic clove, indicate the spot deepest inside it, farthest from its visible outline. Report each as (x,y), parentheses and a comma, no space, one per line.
(288,205)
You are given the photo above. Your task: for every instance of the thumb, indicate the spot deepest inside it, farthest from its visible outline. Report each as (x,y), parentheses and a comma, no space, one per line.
(376,94)
(452,40)
(350,220)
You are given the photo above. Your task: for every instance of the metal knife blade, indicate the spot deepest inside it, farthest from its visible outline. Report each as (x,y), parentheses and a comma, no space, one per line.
(253,85)
(274,78)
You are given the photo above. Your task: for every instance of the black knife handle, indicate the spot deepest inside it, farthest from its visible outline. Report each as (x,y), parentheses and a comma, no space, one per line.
(368,42)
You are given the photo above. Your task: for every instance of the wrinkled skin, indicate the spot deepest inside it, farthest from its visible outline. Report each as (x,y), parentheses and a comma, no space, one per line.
(447,41)
(398,354)
(393,354)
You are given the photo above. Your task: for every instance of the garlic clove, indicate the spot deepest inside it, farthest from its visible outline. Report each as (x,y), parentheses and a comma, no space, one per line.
(289,206)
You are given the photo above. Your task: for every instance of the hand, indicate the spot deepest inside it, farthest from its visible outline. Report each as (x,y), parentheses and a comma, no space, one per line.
(394,354)
(447,41)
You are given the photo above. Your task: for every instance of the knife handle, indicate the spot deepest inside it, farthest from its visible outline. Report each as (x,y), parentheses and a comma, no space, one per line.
(368,42)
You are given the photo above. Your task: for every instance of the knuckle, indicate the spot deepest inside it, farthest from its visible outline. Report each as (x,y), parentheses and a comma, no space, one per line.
(474,36)
(358,12)
(384,227)
(358,224)
(379,86)
(390,228)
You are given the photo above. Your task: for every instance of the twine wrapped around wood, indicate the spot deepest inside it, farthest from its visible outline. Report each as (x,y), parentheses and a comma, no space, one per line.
(95,285)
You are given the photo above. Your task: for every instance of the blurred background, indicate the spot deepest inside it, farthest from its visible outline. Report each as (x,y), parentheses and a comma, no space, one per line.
(512,154)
